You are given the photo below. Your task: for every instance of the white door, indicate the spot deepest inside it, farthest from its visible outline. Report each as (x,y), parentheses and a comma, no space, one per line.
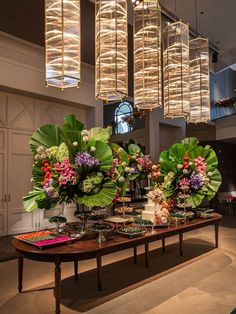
(19,181)
(3,182)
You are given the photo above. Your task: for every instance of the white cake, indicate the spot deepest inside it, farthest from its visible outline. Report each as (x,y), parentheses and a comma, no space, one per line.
(150,210)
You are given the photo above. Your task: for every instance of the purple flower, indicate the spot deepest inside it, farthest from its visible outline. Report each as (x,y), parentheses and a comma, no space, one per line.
(49,188)
(195,181)
(86,159)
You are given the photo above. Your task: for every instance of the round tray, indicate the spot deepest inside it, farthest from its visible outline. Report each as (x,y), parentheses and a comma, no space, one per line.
(102,230)
(131,234)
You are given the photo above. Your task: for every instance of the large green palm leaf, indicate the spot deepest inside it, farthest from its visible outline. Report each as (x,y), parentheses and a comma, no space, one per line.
(47,136)
(103,153)
(103,198)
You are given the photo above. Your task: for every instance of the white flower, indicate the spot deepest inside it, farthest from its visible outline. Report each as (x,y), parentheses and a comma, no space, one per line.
(40,149)
(190,163)
(85,138)
(43,156)
(154,167)
(75,144)
(185,171)
(85,133)
(37,157)
(93,149)
(158,173)
(127,169)
(210,174)
(149,176)
(32,180)
(120,150)
(179,166)
(121,179)
(124,163)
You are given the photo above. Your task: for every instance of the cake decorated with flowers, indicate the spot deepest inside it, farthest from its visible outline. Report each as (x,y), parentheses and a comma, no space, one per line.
(154,205)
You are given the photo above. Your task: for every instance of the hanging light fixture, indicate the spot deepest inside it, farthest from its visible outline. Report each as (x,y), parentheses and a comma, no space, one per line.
(176,70)
(147,54)
(199,79)
(62,43)
(111,35)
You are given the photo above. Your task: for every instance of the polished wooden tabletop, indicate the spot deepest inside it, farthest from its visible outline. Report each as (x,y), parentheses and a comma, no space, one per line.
(84,249)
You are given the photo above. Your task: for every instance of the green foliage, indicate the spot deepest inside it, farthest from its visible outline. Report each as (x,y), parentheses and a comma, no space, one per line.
(47,136)
(99,134)
(31,199)
(103,198)
(72,124)
(134,149)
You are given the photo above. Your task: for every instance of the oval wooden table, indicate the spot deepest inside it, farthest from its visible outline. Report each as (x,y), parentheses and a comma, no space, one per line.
(87,249)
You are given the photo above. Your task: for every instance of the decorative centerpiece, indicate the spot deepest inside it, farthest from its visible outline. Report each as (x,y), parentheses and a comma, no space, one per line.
(57,220)
(154,206)
(188,173)
(129,166)
(71,165)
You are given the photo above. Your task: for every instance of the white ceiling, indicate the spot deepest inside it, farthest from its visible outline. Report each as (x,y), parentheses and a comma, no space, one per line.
(218,23)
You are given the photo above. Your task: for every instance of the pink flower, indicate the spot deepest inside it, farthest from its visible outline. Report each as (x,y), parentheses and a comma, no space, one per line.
(200,164)
(141,161)
(115,161)
(66,173)
(184,184)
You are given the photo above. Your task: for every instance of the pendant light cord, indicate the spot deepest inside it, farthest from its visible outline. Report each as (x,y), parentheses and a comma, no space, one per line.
(175,10)
(196,17)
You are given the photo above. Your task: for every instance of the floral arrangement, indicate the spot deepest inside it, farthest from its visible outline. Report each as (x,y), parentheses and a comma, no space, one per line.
(71,164)
(226,102)
(128,166)
(136,114)
(188,173)
(156,195)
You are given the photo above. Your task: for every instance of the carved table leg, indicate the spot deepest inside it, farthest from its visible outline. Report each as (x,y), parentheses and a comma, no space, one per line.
(181,244)
(99,272)
(146,254)
(20,273)
(76,269)
(57,288)
(216,235)
(163,245)
(135,255)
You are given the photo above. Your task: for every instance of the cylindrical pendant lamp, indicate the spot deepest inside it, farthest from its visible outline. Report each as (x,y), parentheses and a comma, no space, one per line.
(62,43)
(111,35)
(199,81)
(176,70)
(147,55)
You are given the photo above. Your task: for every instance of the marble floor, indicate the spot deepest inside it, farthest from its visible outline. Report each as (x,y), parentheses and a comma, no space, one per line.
(203,281)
